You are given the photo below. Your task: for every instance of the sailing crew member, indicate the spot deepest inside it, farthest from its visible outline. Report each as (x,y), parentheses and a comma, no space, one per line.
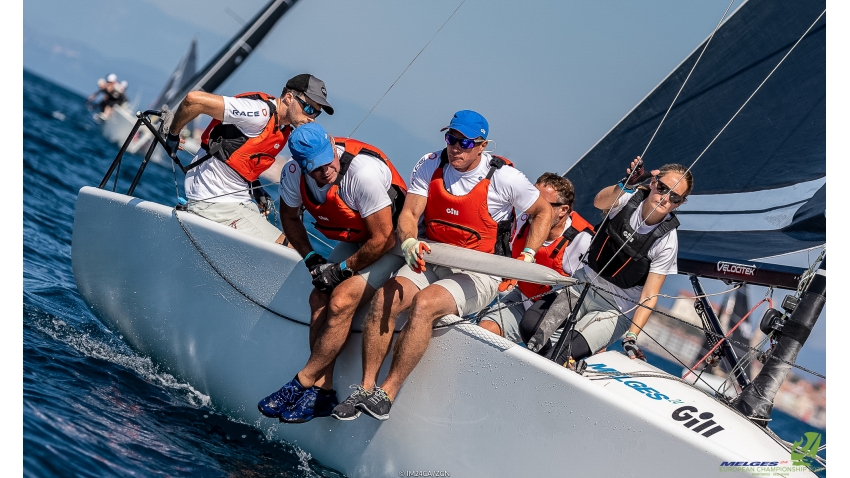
(466,197)
(636,270)
(240,143)
(113,94)
(354,193)
(569,236)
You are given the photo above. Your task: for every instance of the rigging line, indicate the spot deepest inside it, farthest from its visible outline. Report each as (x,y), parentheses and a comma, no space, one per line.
(405,69)
(643,221)
(704,331)
(669,108)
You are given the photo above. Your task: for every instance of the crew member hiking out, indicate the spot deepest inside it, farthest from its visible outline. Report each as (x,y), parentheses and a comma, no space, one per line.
(467,197)
(355,194)
(568,238)
(240,143)
(634,252)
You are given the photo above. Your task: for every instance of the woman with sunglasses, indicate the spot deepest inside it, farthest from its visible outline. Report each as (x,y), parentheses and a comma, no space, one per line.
(628,260)
(244,137)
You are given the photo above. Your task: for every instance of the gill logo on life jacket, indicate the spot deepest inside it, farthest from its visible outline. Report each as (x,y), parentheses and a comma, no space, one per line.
(323,218)
(453,211)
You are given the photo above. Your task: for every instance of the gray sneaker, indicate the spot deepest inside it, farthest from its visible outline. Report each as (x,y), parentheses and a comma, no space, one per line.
(377,404)
(347,410)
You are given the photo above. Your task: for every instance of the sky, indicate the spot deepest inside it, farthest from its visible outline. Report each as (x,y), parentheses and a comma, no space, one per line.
(551,77)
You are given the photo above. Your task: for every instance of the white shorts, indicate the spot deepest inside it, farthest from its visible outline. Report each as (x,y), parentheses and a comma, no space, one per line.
(508,312)
(472,291)
(376,273)
(242,216)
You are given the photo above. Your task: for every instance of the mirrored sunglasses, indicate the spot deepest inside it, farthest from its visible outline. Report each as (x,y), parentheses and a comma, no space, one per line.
(465,143)
(308,109)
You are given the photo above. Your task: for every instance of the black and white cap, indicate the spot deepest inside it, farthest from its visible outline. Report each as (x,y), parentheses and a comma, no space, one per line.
(313,88)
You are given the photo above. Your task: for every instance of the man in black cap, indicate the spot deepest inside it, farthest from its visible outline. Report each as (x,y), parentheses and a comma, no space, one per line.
(240,143)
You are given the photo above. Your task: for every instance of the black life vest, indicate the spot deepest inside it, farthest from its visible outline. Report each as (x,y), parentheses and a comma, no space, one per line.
(630,267)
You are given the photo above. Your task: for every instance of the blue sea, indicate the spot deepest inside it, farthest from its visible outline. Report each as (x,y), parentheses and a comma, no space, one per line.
(92,406)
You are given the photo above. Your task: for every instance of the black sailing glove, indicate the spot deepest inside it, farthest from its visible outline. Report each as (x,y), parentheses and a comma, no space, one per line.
(172,143)
(630,182)
(313,261)
(264,200)
(632,350)
(327,277)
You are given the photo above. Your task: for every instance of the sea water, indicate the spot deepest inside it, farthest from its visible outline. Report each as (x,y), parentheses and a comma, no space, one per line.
(92,405)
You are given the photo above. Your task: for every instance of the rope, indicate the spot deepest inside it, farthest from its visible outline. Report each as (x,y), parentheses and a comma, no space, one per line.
(405,69)
(643,221)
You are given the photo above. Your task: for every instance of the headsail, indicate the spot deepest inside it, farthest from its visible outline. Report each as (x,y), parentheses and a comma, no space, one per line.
(184,72)
(234,53)
(761,187)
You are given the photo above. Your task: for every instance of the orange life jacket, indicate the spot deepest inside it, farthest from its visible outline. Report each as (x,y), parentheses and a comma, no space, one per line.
(551,256)
(465,220)
(335,219)
(249,157)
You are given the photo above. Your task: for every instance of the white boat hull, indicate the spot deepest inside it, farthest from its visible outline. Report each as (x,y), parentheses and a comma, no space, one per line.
(476,405)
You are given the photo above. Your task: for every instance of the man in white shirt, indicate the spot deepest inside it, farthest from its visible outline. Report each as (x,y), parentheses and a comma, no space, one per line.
(569,237)
(243,139)
(465,196)
(354,193)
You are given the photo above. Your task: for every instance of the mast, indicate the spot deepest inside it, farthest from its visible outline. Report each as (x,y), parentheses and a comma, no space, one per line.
(225,62)
(756,400)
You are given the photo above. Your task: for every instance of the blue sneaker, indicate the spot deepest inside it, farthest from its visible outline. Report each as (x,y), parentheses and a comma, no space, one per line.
(313,404)
(325,402)
(285,398)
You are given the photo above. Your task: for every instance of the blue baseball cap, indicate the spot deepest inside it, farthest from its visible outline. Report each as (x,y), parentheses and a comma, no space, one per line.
(311,146)
(470,124)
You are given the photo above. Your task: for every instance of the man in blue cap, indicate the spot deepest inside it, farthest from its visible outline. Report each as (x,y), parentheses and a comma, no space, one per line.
(354,193)
(467,198)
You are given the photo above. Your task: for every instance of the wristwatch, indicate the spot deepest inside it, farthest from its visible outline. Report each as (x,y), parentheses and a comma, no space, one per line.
(346,272)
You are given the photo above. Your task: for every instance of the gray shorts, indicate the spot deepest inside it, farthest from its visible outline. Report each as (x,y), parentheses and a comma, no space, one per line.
(472,291)
(600,323)
(242,216)
(376,273)
(509,315)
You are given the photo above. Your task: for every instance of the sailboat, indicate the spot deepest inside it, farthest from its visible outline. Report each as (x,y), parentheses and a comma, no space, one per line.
(188,297)
(185,79)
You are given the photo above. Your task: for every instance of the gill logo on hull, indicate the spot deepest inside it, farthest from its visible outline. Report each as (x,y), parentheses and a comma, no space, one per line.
(702,421)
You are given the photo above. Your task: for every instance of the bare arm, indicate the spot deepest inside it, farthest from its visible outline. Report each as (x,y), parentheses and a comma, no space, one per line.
(648,297)
(195,104)
(408,220)
(540,218)
(381,239)
(294,229)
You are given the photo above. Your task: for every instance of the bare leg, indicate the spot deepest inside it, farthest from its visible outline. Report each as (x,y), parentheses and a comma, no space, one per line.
(491,326)
(429,305)
(331,336)
(390,300)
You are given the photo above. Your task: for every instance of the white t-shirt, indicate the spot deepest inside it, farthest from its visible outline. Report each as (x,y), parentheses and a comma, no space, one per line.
(572,254)
(363,188)
(509,188)
(662,255)
(214,181)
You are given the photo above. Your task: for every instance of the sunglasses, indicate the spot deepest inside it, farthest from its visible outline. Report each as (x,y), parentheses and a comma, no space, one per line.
(465,143)
(664,189)
(308,109)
